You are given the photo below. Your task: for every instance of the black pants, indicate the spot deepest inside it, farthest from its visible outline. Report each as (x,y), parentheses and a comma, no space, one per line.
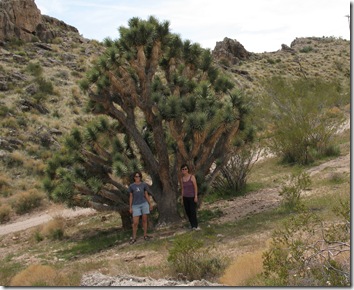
(191,210)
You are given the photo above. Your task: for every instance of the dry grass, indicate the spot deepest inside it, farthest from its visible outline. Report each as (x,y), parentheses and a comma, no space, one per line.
(39,275)
(243,268)
(5,211)
(54,229)
(26,201)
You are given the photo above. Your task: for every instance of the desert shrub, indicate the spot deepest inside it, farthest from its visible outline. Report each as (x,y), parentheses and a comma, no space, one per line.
(35,69)
(38,236)
(5,211)
(301,119)
(45,86)
(306,49)
(233,176)
(54,229)
(189,258)
(9,122)
(4,186)
(291,191)
(4,110)
(15,42)
(308,252)
(27,201)
(57,40)
(14,159)
(39,275)
(34,166)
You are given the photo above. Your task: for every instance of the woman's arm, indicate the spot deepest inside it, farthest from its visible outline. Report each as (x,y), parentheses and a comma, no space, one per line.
(147,197)
(181,184)
(130,202)
(194,181)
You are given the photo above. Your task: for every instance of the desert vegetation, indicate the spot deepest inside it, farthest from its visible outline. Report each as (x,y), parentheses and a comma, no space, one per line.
(269,130)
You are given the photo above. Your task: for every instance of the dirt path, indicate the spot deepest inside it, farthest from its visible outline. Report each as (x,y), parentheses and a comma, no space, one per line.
(26,221)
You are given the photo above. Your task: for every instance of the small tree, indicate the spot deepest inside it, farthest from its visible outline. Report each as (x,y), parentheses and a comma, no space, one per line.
(302,117)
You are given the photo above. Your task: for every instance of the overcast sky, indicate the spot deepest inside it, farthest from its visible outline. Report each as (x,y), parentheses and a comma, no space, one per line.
(259,25)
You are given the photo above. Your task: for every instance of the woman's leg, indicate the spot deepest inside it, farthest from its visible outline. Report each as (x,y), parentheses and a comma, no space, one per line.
(187,202)
(193,214)
(135,225)
(145,223)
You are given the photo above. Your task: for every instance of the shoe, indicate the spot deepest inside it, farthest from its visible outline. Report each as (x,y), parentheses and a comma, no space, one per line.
(132,241)
(147,238)
(196,229)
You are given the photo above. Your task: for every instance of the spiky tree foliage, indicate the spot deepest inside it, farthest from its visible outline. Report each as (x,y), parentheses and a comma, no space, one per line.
(85,172)
(173,104)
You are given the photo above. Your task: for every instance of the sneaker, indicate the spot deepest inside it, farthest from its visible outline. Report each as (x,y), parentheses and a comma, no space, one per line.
(196,229)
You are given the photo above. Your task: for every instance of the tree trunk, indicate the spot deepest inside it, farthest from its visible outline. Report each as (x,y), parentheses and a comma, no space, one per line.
(167,207)
(126,219)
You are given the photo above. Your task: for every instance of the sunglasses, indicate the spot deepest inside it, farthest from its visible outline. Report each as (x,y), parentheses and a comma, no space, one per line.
(137,176)
(184,168)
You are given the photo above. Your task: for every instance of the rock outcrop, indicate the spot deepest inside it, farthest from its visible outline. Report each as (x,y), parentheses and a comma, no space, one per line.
(230,50)
(21,19)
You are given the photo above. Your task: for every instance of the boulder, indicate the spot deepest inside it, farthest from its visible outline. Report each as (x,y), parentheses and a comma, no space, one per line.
(230,50)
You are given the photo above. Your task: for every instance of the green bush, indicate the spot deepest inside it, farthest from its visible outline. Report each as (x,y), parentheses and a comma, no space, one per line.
(291,191)
(45,88)
(302,118)
(4,110)
(35,69)
(189,258)
(306,49)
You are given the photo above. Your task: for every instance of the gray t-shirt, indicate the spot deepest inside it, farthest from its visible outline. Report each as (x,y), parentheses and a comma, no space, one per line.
(138,192)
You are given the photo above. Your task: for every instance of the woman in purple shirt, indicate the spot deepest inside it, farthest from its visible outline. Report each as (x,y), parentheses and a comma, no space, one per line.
(189,190)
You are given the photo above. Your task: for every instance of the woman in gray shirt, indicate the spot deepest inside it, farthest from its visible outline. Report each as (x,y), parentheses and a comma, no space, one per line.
(139,204)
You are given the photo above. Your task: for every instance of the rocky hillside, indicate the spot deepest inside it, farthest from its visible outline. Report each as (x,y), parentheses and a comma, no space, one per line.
(42,60)
(21,19)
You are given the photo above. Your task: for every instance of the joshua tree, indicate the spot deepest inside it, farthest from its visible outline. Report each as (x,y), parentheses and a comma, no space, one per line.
(167,104)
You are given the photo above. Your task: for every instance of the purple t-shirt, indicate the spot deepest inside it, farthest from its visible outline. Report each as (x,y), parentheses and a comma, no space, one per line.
(188,188)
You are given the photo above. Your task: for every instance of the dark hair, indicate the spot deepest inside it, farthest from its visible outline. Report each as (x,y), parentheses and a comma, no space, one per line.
(137,172)
(184,165)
